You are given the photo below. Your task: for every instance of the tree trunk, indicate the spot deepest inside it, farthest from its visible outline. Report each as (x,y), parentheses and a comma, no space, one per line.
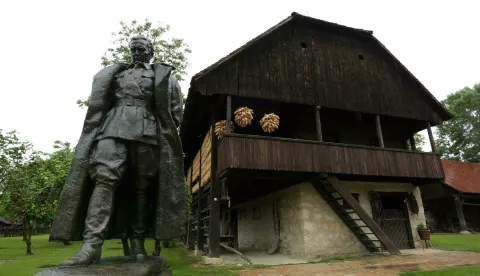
(28,229)
(24,232)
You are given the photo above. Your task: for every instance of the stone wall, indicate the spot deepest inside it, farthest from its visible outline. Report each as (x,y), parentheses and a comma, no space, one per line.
(324,232)
(308,226)
(255,222)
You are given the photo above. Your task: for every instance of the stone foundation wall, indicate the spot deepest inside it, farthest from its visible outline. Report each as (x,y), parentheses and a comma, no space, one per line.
(308,226)
(325,234)
(255,222)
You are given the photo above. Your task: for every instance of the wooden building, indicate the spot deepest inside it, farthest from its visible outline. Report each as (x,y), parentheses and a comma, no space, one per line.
(453,205)
(339,175)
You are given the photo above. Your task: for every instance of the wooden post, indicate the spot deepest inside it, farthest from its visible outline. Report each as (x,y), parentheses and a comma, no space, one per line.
(189,240)
(461,217)
(191,173)
(200,236)
(319,124)
(379,131)
(214,233)
(430,136)
(412,144)
(229,114)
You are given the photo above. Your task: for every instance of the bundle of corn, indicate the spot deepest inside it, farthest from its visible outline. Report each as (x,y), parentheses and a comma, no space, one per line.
(221,128)
(243,116)
(270,122)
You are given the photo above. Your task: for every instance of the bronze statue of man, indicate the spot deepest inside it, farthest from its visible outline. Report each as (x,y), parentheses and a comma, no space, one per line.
(126,178)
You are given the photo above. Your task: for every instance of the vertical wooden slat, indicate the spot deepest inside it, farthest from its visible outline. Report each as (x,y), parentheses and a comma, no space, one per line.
(229,114)
(233,77)
(242,75)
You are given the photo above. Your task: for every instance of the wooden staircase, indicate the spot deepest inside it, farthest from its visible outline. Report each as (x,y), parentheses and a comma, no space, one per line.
(355,217)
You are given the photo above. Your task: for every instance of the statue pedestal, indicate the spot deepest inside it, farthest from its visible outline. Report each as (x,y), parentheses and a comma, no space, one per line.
(113,266)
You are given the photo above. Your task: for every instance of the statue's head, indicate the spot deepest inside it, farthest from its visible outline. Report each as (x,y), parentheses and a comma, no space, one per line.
(141,49)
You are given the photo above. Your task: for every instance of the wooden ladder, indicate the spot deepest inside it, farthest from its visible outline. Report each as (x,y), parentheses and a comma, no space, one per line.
(359,222)
(200,224)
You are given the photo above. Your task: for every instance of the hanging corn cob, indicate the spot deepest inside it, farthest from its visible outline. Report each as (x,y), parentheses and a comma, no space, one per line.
(221,128)
(243,116)
(270,122)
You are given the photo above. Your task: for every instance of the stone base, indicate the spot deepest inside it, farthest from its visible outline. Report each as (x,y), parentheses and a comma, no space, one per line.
(113,266)
(465,232)
(212,261)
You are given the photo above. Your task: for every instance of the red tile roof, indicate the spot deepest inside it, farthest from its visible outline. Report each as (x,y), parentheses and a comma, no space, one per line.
(462,176)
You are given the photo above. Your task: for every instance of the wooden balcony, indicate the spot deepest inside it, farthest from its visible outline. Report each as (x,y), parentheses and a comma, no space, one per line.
(236,151)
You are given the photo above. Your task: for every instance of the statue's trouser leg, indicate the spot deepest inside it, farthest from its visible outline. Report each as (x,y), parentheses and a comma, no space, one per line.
(144,159)
(107,166)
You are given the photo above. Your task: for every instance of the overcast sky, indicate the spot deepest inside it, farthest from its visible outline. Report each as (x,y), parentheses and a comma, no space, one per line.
(52,49)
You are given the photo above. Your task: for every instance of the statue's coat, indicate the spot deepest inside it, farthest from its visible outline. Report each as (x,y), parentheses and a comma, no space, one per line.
(167,200)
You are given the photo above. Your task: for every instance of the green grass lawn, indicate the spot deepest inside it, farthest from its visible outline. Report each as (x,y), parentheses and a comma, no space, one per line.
(456,242)
(457,271)
(453,242)
(14,262)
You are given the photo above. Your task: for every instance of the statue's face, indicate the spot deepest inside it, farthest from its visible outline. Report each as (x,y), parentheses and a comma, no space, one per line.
(140,52)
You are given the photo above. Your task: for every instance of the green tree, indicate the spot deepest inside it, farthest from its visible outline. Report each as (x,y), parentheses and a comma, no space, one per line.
(13,152)
(32,182)
(459,138)
(419,142)
(173,50)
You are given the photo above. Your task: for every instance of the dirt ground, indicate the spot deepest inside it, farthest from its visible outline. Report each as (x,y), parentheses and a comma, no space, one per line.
(384,265)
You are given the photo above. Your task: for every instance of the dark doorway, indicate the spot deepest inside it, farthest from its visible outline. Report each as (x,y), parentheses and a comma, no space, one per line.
(394,219)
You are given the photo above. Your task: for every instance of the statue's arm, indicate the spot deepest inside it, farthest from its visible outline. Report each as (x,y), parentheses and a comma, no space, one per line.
(176,102)
(99,103)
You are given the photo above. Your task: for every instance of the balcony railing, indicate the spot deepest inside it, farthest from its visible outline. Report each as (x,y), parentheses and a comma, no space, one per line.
(238,151)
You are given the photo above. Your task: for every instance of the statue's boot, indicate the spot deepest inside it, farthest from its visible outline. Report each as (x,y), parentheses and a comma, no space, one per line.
(139,232)
(98,215)
(88,254)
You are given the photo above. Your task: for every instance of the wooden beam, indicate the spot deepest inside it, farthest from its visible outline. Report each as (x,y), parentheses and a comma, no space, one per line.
(319,124)
(229,114)
(461,217)
(191,176)
(430,136)
(214,230)
(412,143)
(379,131)
(190,241)
(200,236)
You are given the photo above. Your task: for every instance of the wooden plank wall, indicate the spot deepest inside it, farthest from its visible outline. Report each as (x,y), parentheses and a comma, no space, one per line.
(206,164)
(260,153)
(306,65)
